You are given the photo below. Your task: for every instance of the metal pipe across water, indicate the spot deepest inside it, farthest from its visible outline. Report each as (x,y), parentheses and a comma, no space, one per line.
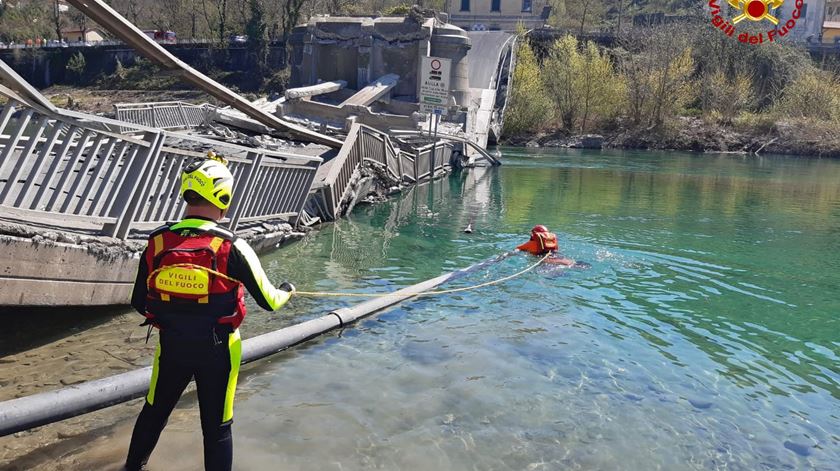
(40,409)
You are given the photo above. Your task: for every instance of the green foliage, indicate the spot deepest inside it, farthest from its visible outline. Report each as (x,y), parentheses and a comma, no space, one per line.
(771,67)
(256,28)
(257,31)
(278,82)
(584,15)
(143,75)
(582,83)
(727,95)
(28,20)
(76,67)
(754,123)
(657,65)
(397,10)
(559,75)
(814,94)
(529,109)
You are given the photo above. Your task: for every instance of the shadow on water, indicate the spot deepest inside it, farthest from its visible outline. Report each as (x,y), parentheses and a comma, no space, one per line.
(28,328)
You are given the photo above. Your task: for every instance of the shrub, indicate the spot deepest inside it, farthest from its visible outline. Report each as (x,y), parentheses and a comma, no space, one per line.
(814,94)
(76,67)
(397,10)
(761,123)
(583,83)
(728,95)
(277,82)
(529,108)
(657,66)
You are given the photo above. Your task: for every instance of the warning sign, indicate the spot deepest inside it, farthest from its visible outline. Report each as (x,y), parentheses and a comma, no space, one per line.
(434,84)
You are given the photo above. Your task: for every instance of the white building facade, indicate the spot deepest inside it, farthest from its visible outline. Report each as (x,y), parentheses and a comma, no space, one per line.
(504,15)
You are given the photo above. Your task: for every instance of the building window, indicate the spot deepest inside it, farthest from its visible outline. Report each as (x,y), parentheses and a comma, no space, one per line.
(496,5)
(526,5)
(465,5)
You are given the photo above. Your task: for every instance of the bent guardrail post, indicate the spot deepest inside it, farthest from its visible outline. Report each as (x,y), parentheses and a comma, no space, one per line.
(45,408)
(127,201)
(247,183)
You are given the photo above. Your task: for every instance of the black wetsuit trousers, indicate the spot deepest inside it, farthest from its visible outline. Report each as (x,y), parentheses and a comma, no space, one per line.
(177,361)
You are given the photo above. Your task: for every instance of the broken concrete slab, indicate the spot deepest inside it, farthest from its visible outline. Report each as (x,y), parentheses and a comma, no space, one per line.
(314,90)
(374,91)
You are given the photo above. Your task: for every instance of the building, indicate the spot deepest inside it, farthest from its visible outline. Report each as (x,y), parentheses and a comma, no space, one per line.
(831,32)
(87,35)
(832,10)
(810,23)
(505,15)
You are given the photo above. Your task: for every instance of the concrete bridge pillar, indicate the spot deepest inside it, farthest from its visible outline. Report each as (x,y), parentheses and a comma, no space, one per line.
(451,42)
(309,62)
(365,63)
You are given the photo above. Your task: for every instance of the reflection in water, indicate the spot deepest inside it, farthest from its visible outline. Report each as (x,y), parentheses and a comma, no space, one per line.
(704,336)
(701,329)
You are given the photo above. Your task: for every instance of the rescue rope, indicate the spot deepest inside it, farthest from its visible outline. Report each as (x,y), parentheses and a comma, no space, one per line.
(362,295)
(425,293)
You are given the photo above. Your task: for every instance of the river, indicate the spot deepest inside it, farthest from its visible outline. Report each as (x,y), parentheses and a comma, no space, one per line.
(704,336)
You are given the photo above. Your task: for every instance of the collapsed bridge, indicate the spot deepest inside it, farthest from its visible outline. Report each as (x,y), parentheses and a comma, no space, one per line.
(80,190)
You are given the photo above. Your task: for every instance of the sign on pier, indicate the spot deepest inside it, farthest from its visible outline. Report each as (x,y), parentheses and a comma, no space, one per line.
(434,84)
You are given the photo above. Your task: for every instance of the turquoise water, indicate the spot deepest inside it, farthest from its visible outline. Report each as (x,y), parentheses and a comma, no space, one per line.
(705,335)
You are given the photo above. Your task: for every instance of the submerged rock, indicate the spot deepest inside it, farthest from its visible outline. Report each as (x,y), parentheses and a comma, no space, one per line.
(587,141)
(800,449)
(700,403)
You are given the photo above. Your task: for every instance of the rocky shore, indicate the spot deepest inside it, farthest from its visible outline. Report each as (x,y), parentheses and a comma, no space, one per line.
(791,137)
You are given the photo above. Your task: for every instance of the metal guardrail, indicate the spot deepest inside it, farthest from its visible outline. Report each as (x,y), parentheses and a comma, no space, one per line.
(372,145)
(66,174)
(429,164)
(164,115)
(344,165)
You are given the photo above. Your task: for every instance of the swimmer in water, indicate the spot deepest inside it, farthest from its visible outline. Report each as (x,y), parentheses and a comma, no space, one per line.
(543,242)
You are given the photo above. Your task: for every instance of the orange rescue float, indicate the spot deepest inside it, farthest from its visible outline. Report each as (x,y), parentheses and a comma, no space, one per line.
(542,241)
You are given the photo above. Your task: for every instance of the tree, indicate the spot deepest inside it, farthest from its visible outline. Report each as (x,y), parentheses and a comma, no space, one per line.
(76,67)
(78,19)
(582,82)
(57,20)
(560,71)
(256,29)
(27,20)
(580,15)
(215,14)
(529,107)
(657,65)
(601,88)
(291,16)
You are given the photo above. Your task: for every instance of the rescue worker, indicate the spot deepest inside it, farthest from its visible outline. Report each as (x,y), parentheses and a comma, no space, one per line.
(543,242)
(190,287)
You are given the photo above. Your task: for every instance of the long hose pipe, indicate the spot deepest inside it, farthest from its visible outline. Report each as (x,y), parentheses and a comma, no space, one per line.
(44,408)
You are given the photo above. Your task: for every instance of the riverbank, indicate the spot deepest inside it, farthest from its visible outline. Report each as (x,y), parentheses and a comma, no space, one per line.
(800,137)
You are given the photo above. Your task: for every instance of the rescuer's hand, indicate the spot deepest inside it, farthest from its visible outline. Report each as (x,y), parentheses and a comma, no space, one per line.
(288,287)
